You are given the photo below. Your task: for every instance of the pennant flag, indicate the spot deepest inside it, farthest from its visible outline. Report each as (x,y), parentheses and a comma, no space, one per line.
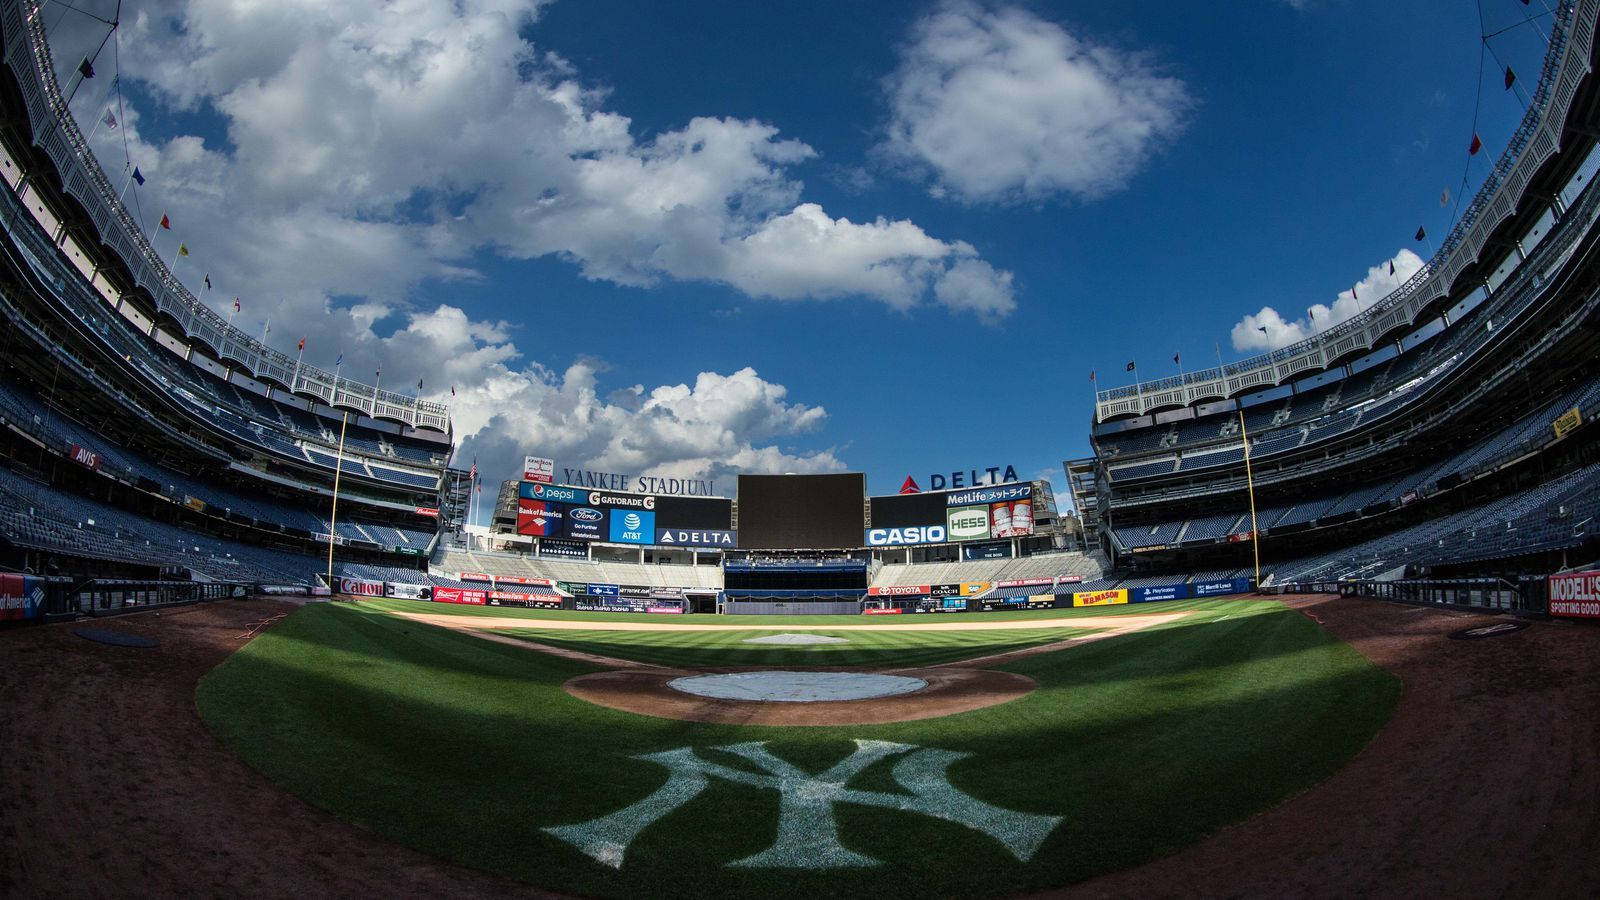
(1130,366)
(110,120)
(1511,78)
(1420,233)
(378,374)
(1444,198)
(1091,374)
(208,281)
(340,361)
(236,304)
(1177,359)
(85,69)
(473,473)
(1352,293)
(1391,267)
(165,222)
(452,390)
(301,345)
(1312,313)
(183,250)
(419,384)
(1261,328)
(137,177)
(1477,144)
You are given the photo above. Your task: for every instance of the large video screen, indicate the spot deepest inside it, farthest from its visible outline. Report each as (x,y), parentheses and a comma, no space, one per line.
(803,512)
(908,510)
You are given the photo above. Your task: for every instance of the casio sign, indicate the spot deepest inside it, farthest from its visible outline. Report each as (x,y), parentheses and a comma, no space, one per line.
(916,534)
(585,514)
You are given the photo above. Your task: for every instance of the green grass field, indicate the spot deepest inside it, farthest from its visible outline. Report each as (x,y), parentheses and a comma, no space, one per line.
(468,749)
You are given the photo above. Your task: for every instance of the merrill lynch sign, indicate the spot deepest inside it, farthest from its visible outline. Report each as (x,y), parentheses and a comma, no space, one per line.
(643,484)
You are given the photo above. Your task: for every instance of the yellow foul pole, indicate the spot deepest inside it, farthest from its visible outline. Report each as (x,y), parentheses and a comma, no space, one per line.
(1250,484)
(333,516)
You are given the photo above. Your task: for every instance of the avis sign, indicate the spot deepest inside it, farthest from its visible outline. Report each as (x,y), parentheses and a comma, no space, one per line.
(808,836)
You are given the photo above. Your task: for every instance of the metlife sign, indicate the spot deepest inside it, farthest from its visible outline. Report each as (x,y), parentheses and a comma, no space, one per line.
(632,527)
(694,537)
(900,537)
(1004,493)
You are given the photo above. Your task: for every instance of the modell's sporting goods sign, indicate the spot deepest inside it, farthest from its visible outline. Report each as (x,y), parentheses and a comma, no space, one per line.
(1575,594)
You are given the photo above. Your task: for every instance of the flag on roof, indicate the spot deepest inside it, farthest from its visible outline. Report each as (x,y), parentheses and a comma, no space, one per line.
(138,177)
(1352,293)
(301,345)
(419,384)
(1421,233)
(236,304)
(110,119)
(1261,328)
(473,472)
(165,222)
(1391,267)
(340,361)
(85,68)
(1131,366)
(452,390)
(1475,146)
(1177,359)
(208,281)
(1312,313)
(183,249)
(1091,374)
(1444,198)
(1511,78)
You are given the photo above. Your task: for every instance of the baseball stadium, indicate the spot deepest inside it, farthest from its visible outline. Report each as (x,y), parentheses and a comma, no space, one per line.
(1318,621)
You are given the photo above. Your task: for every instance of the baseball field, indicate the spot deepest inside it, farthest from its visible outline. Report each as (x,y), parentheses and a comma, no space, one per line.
(549,748)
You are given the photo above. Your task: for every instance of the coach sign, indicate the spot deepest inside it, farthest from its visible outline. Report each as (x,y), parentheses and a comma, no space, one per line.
(1575,594)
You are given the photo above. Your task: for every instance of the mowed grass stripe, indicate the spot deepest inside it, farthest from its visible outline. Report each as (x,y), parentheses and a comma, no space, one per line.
(468,749)
(688,649)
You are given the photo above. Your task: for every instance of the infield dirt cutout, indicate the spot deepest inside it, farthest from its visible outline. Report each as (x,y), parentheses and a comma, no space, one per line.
(952,687)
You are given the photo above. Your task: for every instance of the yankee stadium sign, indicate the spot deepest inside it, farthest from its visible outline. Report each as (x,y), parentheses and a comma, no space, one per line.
(643,484)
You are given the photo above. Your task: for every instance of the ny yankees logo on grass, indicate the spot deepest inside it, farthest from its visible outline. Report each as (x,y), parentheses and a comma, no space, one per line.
(808,837)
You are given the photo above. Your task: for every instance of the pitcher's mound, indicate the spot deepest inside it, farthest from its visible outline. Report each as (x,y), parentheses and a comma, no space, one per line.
(796,687)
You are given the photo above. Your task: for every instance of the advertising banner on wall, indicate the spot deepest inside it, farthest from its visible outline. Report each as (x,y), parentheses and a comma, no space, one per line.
(900,537)
(1025,582)
(940,604)
(1012,518)
(1575,594)
(527,601)
(1157,592)
(1003,493)
(945,590)
(1100,598)
(629,604)
(967,523)
(970,588)
(407,591)
(360,587)
(21,597)
(467,596)
(586,523)
(538,468)
(898,590)
(695,537)
(540,518)
(632,527)
(1219,587)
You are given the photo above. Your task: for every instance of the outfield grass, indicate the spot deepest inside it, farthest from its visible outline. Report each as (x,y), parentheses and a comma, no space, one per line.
(727,647)
(466,749)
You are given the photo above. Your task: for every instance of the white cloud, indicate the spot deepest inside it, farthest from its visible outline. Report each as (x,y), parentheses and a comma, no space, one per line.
(373,145)
(1004,106)
(334,159)
(1280,332)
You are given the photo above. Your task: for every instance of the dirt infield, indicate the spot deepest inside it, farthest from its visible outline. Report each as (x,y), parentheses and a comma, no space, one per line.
(949,691)
(1485,782)
(111,786)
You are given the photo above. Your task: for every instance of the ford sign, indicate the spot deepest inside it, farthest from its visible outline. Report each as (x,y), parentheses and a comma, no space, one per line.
(585,514)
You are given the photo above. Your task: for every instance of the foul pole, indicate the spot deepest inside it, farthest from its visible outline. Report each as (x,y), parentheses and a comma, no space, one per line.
(333,515)
(1250,485)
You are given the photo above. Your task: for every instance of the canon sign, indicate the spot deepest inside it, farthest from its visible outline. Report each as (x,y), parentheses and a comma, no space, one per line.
(915,534)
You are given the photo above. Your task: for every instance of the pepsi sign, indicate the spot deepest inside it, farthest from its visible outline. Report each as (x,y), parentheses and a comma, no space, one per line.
(534,490)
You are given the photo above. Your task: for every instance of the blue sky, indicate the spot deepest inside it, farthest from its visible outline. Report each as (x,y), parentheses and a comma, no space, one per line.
(617,228)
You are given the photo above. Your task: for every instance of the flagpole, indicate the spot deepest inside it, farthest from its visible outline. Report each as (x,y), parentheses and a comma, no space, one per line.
(333,516)
(1250,485)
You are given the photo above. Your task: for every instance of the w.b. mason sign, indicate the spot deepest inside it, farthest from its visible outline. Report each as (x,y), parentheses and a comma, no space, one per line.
(808,837)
